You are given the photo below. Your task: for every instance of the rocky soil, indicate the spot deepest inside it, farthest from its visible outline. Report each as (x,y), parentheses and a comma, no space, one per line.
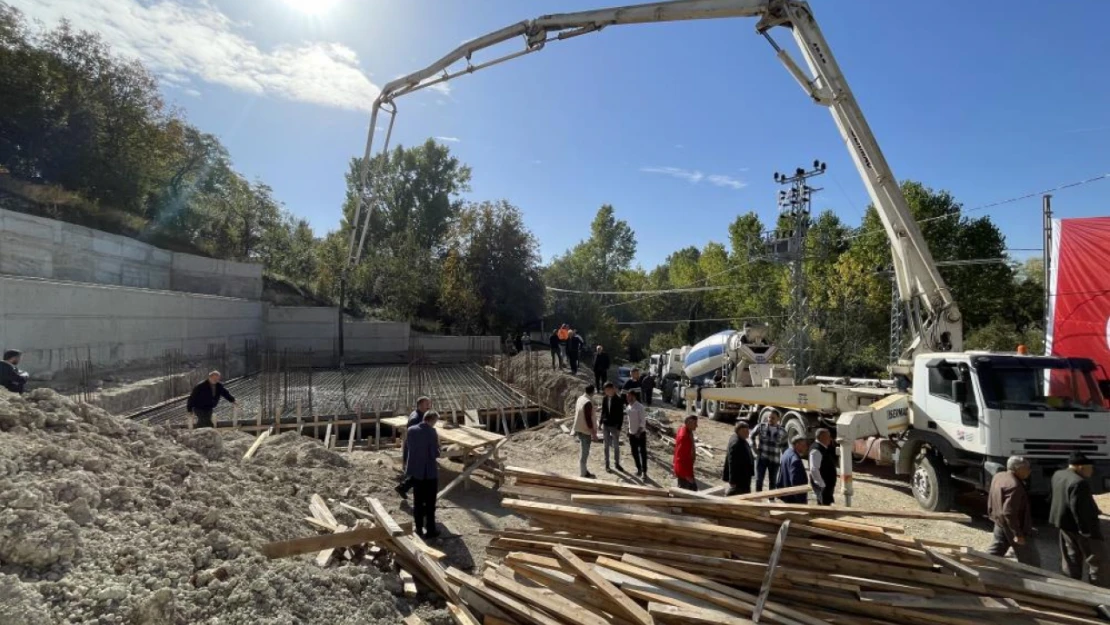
(104,520)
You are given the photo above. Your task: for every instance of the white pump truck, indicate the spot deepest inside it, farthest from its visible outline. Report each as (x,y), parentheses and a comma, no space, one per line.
(967,411)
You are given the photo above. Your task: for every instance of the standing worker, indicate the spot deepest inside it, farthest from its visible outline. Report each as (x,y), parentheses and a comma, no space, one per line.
(1008,506)
(739,468)
(684,454)
(612,420)
(634,382)
(205,397)
(526,341)
(822,468)
(564,334)
(637,433)
(421,467)
(574,349)
(423,405)
(792,471)
(601,367)
(1075,513)
(553,341)
(770,442)
(585,428)
(11,377)
(647,387)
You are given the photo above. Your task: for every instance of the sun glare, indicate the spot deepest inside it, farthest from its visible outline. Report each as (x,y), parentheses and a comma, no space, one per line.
(312,7)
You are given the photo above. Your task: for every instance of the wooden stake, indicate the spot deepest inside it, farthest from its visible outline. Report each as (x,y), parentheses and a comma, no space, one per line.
(235,416)
(769,576)
(327,436)
(300,425)
(351,436)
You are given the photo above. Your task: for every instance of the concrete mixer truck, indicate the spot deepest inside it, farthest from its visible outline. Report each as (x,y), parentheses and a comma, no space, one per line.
(729,358)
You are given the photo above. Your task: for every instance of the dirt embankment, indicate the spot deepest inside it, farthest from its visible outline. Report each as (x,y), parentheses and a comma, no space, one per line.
(532,373)
(104,520)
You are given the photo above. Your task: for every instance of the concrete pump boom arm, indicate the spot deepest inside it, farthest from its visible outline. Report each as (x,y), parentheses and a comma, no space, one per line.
(935,319)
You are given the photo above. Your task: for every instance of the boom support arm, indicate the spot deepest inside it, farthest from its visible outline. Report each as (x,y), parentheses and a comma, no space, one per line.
(935,319)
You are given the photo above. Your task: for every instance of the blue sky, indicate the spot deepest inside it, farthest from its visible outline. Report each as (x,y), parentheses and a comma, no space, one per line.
(679,126)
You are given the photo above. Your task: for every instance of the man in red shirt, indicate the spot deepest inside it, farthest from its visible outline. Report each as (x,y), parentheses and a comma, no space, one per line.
(684,454)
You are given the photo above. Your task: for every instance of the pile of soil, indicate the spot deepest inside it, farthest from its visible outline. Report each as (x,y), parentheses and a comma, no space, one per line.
(104,520)
(555,389)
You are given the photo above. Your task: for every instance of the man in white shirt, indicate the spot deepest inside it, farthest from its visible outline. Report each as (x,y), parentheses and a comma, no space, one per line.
(637,432)
(822,468)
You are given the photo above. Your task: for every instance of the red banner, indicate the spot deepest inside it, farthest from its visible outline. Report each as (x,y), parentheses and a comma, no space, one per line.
(1079,291)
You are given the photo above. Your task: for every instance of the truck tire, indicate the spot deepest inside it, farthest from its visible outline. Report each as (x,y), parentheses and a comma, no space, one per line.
(795,425)
(931,483)
(716,412)
(667,391)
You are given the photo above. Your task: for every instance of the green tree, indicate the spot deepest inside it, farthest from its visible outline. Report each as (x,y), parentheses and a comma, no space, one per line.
(491,276)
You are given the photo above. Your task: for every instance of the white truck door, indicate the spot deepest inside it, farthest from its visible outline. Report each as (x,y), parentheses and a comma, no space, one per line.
(952,406)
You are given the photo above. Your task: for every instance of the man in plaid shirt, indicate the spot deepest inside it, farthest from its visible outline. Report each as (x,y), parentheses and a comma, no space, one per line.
(770,440)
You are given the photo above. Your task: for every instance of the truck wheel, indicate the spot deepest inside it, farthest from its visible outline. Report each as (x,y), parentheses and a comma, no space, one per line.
(715,410)
(932,483)
(795,425)
(666,392)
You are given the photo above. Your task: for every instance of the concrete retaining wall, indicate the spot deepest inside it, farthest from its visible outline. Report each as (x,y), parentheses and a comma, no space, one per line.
(38,247)
(56,322)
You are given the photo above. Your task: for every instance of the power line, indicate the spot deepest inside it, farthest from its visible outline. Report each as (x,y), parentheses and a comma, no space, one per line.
(661,321)
(657,291)
(961,212)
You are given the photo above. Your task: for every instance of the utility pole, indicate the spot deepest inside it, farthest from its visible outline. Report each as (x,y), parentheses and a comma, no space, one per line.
(789,248)
(1046,206)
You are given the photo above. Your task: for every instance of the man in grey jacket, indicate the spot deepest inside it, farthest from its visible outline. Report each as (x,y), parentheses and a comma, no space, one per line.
(421,467)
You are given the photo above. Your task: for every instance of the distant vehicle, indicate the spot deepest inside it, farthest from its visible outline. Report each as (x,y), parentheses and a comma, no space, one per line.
(624,374)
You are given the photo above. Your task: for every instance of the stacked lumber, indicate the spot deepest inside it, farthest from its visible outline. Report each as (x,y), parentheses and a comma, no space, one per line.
(597,552)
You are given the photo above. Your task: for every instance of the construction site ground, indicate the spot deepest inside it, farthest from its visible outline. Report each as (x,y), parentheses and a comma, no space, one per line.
(104,520)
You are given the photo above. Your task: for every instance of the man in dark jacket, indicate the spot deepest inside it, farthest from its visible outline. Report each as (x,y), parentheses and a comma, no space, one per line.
(205,397)
(612,420)
(822,468)
(601,367)
(636,381)
(647,388)
(792,471)
(1009,507)
(11,377)
(1075,513)
(574,350)
(421,467)
(739,467)
(553,341)
(423,405)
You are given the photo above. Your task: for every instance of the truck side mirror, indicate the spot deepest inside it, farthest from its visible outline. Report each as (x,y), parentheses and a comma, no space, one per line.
(1104,388)
(959,391)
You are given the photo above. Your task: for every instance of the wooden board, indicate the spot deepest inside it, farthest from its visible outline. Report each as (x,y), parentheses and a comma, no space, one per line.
(769,577)
(946,602)
(312,544)
(624,605)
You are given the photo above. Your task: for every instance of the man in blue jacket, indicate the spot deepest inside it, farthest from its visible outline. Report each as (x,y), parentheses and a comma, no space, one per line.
(792,472)
(421,467)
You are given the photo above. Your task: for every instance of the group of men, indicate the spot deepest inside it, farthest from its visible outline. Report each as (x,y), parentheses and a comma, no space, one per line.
(617,410)
(779,460)
(1073,512)
(566,348)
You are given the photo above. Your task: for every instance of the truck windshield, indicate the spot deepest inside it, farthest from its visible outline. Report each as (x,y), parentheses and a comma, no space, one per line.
(1016,386)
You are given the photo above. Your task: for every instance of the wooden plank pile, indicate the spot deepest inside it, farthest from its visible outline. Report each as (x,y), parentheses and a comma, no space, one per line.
(598,552)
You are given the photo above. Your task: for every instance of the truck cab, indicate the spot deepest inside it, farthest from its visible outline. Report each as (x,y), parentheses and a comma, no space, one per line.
(970,411)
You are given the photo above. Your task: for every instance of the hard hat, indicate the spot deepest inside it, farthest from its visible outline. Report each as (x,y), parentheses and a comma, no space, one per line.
(1021,349)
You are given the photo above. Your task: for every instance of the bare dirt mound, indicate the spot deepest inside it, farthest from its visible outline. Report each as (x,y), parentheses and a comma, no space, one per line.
(556,389)
(104,520)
